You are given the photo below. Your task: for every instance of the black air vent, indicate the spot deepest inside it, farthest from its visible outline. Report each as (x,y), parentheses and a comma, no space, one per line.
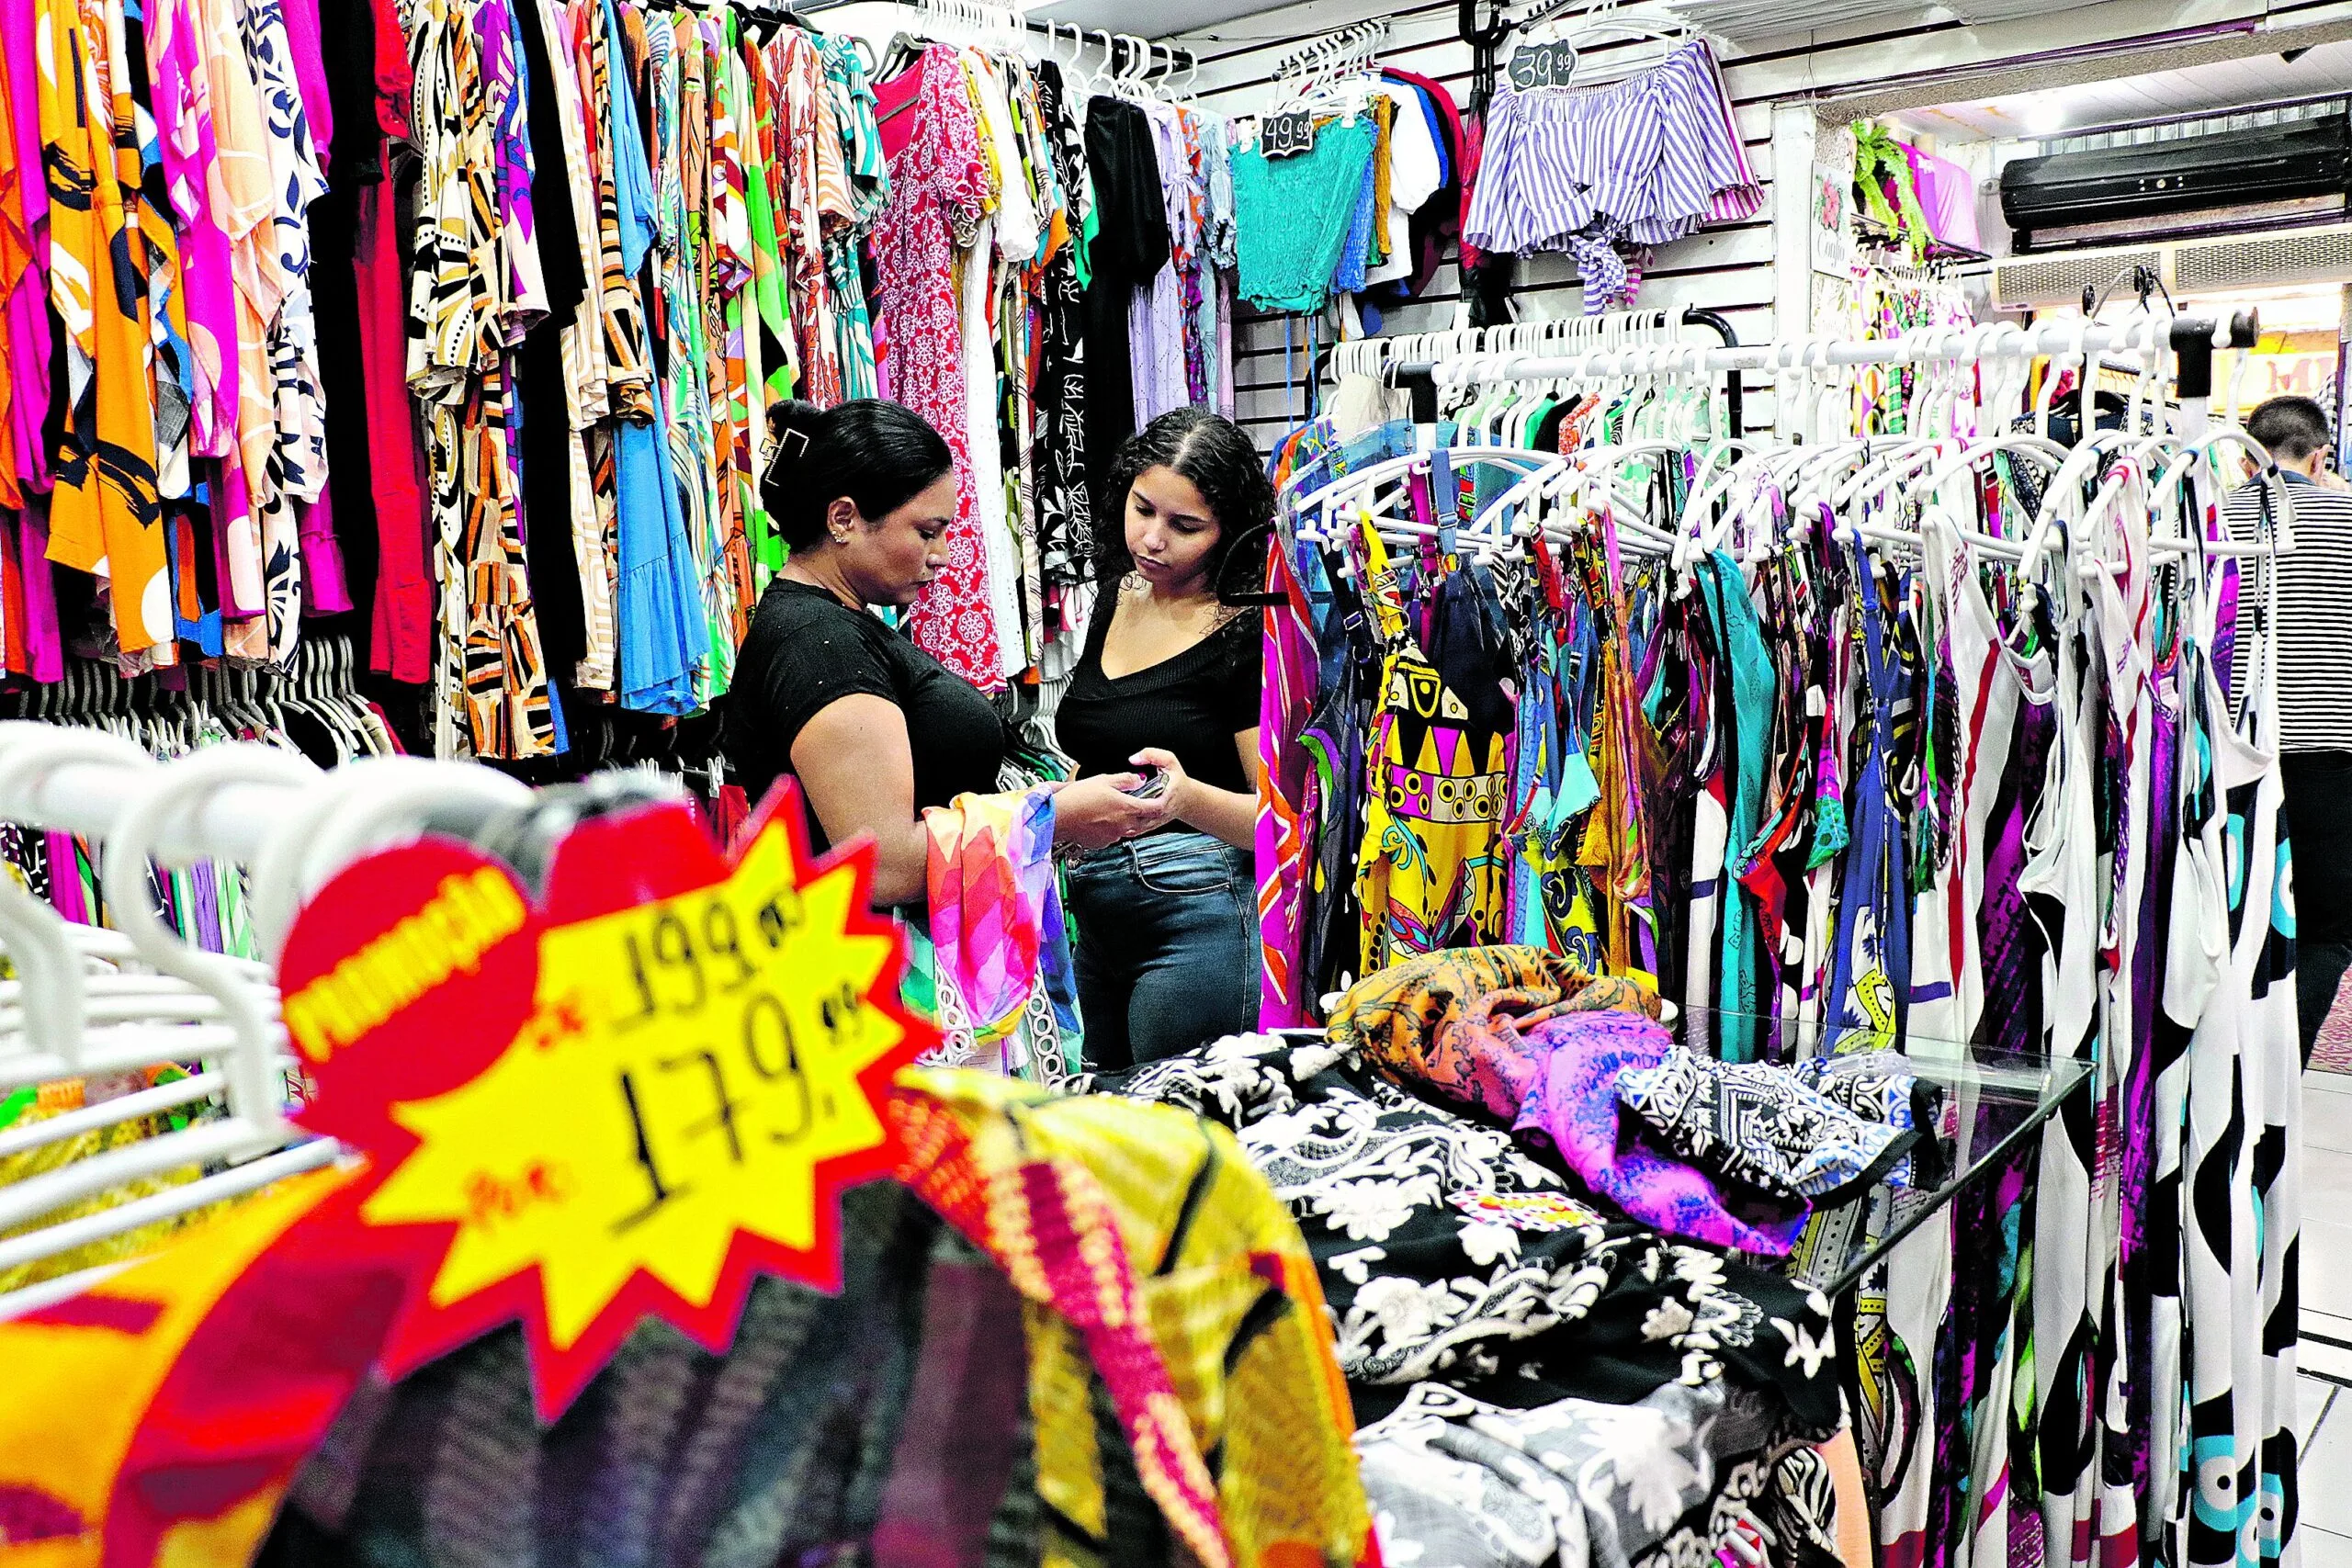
(2191,174)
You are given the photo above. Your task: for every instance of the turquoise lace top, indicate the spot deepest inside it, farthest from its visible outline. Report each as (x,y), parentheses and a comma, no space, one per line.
(1295,214)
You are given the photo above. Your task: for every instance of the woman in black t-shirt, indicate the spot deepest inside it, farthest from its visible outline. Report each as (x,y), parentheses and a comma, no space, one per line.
(873,729)
(1167,908)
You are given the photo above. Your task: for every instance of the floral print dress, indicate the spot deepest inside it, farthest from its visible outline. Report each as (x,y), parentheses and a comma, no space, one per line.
(939,187)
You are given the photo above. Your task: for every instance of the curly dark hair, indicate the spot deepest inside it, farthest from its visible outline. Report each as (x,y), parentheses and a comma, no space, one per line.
(1211,451)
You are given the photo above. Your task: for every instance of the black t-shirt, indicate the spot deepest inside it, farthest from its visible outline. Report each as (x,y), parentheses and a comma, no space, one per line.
(1130,247)
(806,651)
(1192,705)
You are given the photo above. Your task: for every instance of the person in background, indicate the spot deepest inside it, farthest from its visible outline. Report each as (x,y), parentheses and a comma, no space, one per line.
(873,729)
(2314,676)
(1164,704)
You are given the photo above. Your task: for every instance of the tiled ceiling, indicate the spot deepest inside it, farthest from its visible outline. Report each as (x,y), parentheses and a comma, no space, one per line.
(2219,88)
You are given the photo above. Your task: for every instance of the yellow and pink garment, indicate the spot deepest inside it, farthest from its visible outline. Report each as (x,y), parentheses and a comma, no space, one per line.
(993,967)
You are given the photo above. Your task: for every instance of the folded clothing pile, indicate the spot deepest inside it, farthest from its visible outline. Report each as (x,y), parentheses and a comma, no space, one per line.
(1455,1480)
(1495,1326)
(1448,1254)
(1732,1156)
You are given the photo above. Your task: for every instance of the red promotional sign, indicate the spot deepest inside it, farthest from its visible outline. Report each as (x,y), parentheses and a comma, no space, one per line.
(626,1101)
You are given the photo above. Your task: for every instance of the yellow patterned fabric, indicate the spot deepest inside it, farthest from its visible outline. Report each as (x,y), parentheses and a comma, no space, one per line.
(1430,865)
(1143,1241)
(44,1158)
(1393,1015)
(110,1445)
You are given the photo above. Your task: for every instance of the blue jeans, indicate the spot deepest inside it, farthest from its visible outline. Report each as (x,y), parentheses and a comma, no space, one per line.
(1167,946)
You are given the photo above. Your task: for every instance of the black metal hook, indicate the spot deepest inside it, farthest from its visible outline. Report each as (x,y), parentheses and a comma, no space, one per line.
(1483,43)
(1239,552)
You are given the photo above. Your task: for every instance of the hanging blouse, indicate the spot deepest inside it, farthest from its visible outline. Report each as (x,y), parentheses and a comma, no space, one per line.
(242,136)
(1294,215)
(802,136)
(938,192)
(1158,341)
(104,519)
(491,691)
(657,594)
(1065,512)
(867,187)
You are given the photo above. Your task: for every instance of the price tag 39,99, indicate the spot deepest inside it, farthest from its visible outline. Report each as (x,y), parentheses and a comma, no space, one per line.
(1536,65)
(626,1103)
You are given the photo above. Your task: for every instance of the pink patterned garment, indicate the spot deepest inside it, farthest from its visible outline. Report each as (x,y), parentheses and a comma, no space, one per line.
(990,874)
(939,187)
(1285,777)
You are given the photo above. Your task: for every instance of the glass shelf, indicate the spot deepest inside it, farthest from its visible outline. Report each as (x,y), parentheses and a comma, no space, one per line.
(1990,1104)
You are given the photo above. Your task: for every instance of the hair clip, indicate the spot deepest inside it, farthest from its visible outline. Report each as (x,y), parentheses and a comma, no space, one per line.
(784,447)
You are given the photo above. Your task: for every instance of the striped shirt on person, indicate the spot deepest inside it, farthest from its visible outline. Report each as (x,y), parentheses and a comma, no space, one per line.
(2314,630)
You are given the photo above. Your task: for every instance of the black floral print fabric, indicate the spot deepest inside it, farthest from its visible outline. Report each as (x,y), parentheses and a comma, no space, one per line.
(1448,1254)
(1454,1480)
(1758,1124)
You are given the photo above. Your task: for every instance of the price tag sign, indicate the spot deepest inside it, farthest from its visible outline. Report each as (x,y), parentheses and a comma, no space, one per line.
(628,1101)
(1286,135)
(1536,65)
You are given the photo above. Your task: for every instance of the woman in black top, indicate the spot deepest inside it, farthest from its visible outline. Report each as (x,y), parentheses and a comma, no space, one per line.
(873,729)
(1167,911)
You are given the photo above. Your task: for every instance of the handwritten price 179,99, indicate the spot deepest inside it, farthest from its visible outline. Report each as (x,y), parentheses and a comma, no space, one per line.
(684,966)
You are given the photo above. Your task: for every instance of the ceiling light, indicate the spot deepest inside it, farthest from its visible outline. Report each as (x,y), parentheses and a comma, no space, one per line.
(2043,115)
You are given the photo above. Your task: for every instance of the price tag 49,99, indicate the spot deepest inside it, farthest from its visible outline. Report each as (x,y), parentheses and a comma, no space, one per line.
(626,1103)
(1286,135)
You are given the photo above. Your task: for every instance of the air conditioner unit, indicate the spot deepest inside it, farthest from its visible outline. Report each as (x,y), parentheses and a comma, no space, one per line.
(2204,266)
(2298,170)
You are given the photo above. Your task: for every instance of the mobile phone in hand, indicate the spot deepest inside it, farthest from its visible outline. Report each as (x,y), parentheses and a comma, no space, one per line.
(1154,784)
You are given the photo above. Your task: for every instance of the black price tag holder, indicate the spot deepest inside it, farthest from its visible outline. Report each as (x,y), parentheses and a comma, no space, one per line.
(1534,65)
(1286,135)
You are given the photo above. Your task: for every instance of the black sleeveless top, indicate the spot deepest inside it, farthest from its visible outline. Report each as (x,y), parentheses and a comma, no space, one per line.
(1192,705)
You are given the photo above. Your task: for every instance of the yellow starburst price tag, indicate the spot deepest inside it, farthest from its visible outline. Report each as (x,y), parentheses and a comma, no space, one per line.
(625,1103)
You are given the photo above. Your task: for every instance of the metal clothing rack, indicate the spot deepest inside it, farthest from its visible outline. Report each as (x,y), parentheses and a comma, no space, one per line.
(2192,338)
(2187,343)
(1334,51)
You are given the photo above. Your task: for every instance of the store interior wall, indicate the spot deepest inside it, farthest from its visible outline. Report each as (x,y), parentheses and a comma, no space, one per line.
(1784,88)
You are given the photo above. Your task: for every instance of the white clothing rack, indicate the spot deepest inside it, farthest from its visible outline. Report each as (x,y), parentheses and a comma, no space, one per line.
(78,1010)
(1887,463)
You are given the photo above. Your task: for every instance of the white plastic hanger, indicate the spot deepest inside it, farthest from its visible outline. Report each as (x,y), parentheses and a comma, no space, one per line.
(254,1126)
(355,809)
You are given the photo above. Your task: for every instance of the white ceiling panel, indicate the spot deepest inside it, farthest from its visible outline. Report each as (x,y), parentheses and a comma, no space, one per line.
(2220,87)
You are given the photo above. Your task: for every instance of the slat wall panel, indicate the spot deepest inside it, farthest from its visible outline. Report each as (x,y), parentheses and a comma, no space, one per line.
(1727,269)
(1730,269)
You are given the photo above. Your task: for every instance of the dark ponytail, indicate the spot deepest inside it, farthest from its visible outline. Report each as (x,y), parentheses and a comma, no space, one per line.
(879,454)
(1211,451)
